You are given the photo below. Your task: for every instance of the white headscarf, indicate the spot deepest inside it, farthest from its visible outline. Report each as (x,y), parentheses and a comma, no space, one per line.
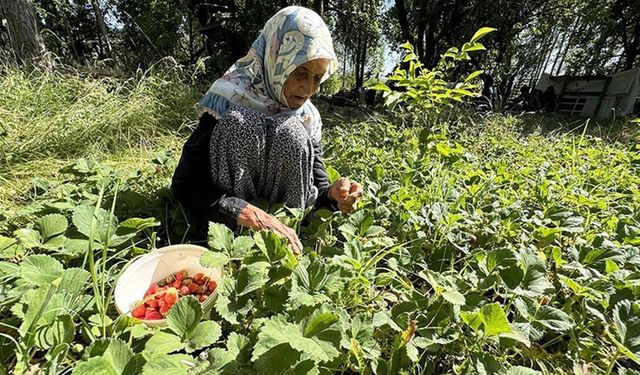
(292,37)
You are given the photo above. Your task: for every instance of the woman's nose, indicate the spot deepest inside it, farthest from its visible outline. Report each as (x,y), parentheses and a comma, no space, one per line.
(307,85)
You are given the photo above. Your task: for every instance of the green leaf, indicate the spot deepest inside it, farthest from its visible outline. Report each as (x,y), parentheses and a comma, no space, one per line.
(361,330)
(535,281)
(168,364)
(51,225)
(40,269)
(184,316)
(55,243)
(28,309)
(214,259)
(481,33)
(470,47)
(74,280)
(118,354)
(323,328)
(473,75)
(626,317)
(9,248)
(9,269)
(486,364)
(472,319)
(229,305)
(553,319)
(273,357)
(237,354)
(453,297)
(273,246)
(111,357)
(205,334)
(277,337)
(138,224)
(241,245)
(29,238)
(407,46)
(220,237)
(519,370)
(95,366)
(334,175)
(163,343)
(252,277)
(319,323)
(94,220)
(494,319)
(380,87)
(61,331)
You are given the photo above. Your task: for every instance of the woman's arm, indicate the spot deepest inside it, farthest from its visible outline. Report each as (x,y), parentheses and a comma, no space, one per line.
(192,187)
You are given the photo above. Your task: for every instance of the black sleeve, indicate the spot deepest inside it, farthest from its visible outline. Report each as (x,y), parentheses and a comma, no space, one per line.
(321,181)
(191,183)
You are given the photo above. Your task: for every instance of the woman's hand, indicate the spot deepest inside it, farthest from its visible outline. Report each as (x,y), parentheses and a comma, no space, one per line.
(256,219)
(345,193)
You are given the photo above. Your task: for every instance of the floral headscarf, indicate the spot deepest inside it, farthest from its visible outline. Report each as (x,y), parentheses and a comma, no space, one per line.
(289,39)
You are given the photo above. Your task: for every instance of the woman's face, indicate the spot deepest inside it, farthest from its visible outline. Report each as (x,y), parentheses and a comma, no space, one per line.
(304,82)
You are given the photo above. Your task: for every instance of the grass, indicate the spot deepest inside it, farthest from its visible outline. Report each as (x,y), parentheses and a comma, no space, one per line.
(49,119)
(61,116)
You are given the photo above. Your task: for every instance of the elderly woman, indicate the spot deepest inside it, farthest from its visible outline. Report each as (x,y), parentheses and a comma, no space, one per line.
(259,135)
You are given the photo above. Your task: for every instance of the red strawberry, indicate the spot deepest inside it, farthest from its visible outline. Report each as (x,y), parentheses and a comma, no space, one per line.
(177,284)
(203,297)
(193,288)
(198,276)
(152,315)
(184,290)
(138,311)
(165,309)
(180,275)
(152,289)
(171,297)
(153,303)
(212,285)
(159,294)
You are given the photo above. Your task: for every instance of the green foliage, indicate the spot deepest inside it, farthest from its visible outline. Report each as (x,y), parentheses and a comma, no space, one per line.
(426,92)
(500,251)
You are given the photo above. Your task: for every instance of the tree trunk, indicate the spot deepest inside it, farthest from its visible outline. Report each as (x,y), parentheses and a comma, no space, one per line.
(632,51)
(572,32)
(22,25)
(318,6)
(559,52)
(404,21)
(102,26)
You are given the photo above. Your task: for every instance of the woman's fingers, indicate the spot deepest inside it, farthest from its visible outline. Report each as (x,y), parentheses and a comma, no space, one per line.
(291,237)
(295,241)
(356,190)
(343,185)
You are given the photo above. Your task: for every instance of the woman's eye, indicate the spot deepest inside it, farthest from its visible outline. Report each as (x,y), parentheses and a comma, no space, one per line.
(317,79)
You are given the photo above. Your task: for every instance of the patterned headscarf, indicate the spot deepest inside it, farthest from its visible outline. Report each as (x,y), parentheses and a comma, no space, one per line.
(289,39)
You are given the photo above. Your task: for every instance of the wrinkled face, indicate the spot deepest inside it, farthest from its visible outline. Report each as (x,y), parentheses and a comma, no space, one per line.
(304,82)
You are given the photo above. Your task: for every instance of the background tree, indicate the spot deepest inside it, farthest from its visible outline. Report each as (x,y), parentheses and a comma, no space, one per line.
(19,19)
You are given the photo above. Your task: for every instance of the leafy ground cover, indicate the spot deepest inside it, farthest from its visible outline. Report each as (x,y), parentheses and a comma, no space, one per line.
(510,246)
